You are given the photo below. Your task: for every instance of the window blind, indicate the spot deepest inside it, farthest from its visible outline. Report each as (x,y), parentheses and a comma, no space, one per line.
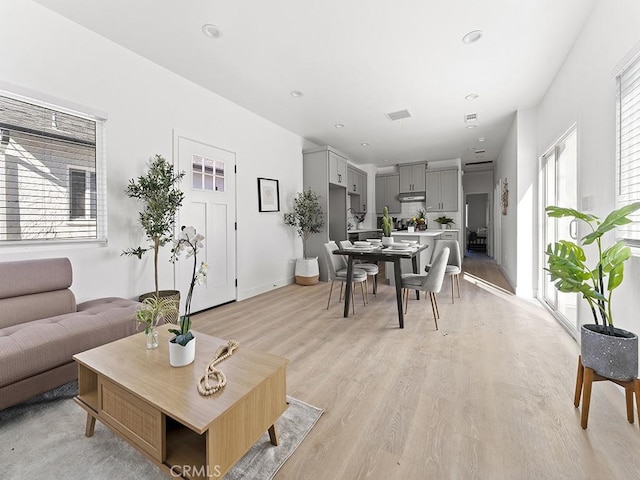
(628,146)
(52,185)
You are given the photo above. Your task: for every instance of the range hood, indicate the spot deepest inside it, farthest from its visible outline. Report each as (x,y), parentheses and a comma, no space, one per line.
(412,197)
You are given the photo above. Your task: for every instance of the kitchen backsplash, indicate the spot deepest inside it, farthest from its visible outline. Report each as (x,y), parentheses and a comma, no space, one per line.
(410,209)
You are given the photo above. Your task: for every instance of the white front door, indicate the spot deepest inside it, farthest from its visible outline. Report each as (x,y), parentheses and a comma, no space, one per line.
(209,205)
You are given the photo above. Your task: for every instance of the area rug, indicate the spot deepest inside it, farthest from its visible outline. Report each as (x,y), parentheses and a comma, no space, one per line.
(44,438)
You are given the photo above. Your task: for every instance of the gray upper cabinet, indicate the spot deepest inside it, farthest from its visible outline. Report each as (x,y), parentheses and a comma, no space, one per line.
(355,183)
(337,169)
(442,190)
(357,188)
(412,178)
(387,190)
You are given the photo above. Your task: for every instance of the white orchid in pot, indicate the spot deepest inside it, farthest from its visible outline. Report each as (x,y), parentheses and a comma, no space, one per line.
(182,347)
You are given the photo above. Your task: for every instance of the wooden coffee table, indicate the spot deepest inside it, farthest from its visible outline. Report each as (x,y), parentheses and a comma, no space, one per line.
(157,408)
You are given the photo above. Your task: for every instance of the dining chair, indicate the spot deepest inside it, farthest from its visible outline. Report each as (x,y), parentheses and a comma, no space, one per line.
(371,268)
(337,269)
(454,265)
(431,282)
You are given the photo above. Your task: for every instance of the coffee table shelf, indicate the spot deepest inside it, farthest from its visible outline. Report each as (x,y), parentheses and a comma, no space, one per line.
(158,409)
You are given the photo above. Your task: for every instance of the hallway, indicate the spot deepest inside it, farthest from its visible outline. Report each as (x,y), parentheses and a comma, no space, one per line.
(479,266)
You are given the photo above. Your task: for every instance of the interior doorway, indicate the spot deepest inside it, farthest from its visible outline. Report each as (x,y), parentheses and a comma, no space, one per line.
(479,231)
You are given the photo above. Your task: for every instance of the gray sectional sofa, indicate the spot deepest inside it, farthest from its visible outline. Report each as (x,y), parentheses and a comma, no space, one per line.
(41,327)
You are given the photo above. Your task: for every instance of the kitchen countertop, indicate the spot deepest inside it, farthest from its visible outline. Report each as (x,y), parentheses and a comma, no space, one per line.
(417,233)
(362,230)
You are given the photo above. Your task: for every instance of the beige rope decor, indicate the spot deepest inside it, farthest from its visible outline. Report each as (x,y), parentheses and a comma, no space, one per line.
(212,373)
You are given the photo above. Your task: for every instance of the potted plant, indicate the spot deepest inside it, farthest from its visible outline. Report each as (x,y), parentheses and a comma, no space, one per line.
(159,191)
(358,217)
(182,347)
(421,221)
(412,224)
(151,311)
(444,221)
(307,219)
(387,224)
(609,351)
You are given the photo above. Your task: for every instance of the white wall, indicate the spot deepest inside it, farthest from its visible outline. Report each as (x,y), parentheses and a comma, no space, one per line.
(506,169)
(47,53)
(584,92)
(525,194)
(477,182)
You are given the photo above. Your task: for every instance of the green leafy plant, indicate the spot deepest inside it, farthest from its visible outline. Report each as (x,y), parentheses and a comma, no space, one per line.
(307,216)
(387,222)
(190,242)
(153,309)
(567,261)
(444,220)
(159,190)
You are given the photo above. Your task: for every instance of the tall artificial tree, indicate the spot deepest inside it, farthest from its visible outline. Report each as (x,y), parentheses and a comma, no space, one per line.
(160,193)
(306,217)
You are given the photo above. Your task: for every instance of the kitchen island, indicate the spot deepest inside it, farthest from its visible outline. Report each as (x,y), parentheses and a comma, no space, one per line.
(423,237)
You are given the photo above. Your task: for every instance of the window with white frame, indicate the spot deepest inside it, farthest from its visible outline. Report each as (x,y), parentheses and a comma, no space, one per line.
(52,178)
(628,146)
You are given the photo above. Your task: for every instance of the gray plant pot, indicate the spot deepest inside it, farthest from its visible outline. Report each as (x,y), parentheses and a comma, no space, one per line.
(613,357)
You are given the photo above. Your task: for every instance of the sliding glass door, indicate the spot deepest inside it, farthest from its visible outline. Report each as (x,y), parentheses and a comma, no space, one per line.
(559,185)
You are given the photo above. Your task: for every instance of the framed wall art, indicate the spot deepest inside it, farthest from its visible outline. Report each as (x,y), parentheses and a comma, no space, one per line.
(268,195)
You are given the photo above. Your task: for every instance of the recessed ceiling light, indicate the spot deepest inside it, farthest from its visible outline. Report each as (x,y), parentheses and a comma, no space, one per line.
(339,125)
(211,31)
(365,144)
(481,139)
(386,159)
(296,93)
(471,126)
(471,96)
(472,36)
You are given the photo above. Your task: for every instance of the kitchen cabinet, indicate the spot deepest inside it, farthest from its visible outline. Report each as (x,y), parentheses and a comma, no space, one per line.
(442,190)
(387,190)
(412,178)
(353,186)
(337,169)
(357,188)
(324,170)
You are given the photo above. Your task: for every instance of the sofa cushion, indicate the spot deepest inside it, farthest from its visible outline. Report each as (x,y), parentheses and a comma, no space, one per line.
(16,310)
(34,276)
(34,347)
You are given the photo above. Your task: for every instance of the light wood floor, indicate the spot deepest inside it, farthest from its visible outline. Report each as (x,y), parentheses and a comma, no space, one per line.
(488,396)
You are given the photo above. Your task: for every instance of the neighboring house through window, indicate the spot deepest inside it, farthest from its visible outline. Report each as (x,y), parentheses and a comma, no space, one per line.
(52,183)
(628,146)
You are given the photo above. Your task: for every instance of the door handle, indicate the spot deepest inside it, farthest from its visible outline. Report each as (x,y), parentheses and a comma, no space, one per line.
(573,229)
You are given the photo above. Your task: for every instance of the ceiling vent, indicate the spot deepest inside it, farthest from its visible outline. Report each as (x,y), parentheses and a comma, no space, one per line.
(470,117)
(399,115)
(484,162)
(480,151)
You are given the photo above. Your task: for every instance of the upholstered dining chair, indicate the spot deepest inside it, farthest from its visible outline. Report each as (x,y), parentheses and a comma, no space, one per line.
(431,282)
(371,268)
(454,265)
(337,269)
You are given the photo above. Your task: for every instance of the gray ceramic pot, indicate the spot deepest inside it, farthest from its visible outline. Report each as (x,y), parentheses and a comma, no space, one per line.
(613,357)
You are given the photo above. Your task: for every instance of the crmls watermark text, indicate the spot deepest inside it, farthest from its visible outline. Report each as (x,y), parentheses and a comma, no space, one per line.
(196,471)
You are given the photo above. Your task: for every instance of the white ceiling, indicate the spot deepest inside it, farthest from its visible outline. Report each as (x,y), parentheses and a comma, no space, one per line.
(356,60)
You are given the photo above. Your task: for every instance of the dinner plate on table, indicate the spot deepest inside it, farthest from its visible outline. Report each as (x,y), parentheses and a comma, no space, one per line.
(410,242)
(398,250)
(361,244)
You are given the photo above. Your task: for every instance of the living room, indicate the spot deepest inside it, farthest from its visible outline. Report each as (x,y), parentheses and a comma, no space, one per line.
(147,106)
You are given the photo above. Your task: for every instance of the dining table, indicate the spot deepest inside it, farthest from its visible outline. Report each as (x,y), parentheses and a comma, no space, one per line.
(375,254)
